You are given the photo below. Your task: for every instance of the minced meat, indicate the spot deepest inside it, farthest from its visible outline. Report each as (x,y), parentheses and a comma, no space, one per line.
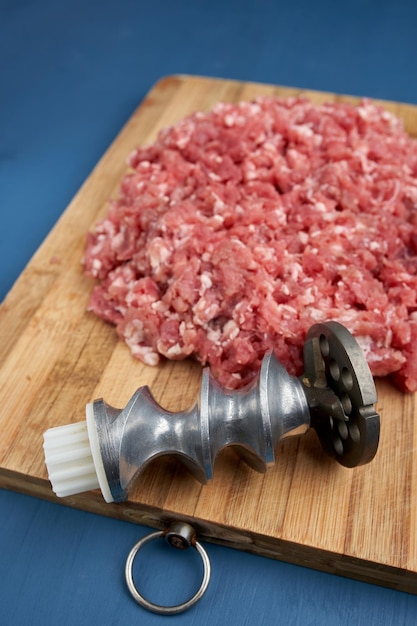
(241,227)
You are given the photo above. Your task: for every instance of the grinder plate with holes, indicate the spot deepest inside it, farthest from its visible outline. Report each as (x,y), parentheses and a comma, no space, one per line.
(341,394)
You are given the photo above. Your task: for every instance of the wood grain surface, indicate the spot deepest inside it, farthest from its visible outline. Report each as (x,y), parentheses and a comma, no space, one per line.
(55,357)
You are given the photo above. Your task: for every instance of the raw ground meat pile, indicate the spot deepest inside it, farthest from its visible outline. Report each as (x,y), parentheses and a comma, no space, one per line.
(240,228)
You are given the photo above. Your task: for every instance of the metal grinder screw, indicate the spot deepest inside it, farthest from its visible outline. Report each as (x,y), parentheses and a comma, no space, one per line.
(335,395)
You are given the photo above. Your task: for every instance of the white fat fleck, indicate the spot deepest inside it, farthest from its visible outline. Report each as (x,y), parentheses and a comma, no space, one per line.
(252,107)
(265,253)
(173,351)
(238,241)
(251,173)
(134,334)
(231,330)
(184,231)
(159,306)
(182,142)
(269,146)
(317,315)
(117,240)
(213,335)
(339,229)
(310,187)
(187,130)
(374,245)
(296,269)
(308,297)
(216,220)
(203,313)
(411,192)
(281,215)
(97,264)
(159,253)
(365,342)
(363,111)
(151,358)
(386,115)
(287,310)
(185,326)
(163,188)
(219,107)
(360,226)
(336,248)
(145,354)
(304,130)
(118,282)
(394,122)
(229,119)
(218,203)
(206,282)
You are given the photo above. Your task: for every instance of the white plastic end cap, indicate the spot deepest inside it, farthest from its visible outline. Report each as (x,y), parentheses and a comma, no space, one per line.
(73,459)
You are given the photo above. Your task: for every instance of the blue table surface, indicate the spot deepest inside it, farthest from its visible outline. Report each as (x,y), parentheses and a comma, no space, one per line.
(71,74)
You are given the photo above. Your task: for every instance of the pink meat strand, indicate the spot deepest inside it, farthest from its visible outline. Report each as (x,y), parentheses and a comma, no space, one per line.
(241,227)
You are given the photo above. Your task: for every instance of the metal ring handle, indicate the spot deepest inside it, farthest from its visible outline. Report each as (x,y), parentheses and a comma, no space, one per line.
(158,608)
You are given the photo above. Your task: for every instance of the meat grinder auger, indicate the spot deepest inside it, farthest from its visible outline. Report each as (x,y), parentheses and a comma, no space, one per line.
(335,396)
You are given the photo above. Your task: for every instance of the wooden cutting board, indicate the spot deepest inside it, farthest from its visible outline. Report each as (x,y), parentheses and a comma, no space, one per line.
(55,357)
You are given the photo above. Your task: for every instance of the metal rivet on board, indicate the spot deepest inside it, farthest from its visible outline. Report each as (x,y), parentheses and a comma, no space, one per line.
(181,536)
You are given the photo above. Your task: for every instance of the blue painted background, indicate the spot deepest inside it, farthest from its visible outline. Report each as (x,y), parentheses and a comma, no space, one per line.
(71,74)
